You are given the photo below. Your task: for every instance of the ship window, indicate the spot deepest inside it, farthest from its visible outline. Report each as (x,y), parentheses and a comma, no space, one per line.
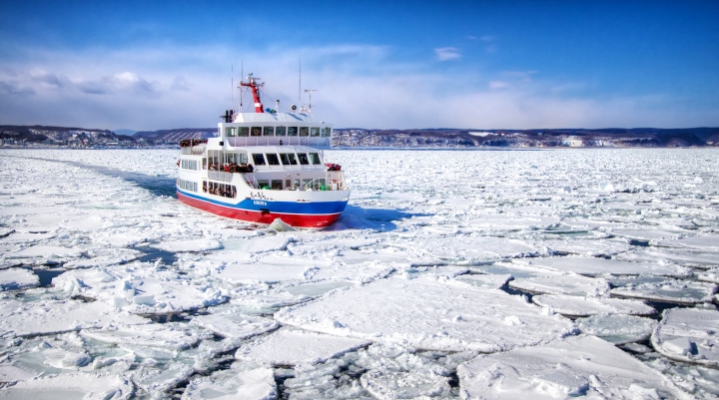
(268,131)
(326,132)
(263,183)
(230,132)
(288,159)
(256,131)
(314,131)
(304,131)
(272,159)
(280,131)
(292,131)
(243,131)
(242,158)
(303,159)
(204,163)
(276,184)
(315,158)
(258,159)
(288,184)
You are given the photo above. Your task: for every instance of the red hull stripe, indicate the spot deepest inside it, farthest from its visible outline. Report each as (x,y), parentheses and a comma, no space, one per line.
(297,220)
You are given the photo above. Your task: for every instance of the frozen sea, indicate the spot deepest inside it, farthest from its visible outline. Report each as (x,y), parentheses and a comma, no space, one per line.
(451,274)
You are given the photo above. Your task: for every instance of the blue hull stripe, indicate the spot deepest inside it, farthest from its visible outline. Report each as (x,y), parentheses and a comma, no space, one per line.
(286,207)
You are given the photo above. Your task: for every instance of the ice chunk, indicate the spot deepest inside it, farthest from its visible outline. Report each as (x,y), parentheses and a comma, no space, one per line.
(618,329)
(700,382)
(256,384)
(703,243)
(17,278)
(591,266)
(475,249)
(172,336)
(422,313)
(290,347)
(575,306)
(689,335)
(586,247)
(87,386)
(141,290)
(576,366)
(48,317)
(232,323)
(488,281)
(570,284)
(404,385)
(670,291)
(193,245)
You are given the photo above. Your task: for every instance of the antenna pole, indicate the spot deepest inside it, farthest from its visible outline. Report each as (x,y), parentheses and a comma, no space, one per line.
(232,85)
(242,76)
(299,90)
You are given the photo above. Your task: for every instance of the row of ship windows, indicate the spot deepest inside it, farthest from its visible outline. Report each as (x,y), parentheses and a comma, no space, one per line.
(220,158)
(243,131)
(187,185)
(189,164)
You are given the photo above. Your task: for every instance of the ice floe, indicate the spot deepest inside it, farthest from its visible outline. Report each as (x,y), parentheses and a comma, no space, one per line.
(592,266)
(89,386)
(689,335)
(618,328)
(670,291)
(288,347)
(17,278)
(583,366)
(569,284)
(575,306)
(429,314)
(256,384)
(231,323)
(57,316)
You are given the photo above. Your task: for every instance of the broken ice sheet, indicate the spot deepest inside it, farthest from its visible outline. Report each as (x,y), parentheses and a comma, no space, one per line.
(669,291)
(231,322)
(287,347)
(175,336)
(592,266)
(466,249)
(689,335)
(405,385)
(141,288)
(575,306)
(428,313)
(616,328)
(57,316)
(569,284)
(17,278)
(575,366)
(700,382)
(702,243)
(585,247)
(72,386)
(255,384)
(487,281)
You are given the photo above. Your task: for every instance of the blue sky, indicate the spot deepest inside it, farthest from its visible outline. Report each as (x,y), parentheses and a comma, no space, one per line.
(375,64)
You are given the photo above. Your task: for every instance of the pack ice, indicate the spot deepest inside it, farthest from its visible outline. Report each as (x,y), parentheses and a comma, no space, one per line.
(474,274)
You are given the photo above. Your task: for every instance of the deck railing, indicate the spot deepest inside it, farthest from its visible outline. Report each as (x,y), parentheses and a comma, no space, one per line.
(278,141)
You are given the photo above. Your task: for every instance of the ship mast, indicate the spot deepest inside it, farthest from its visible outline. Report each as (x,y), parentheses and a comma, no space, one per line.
(252,84)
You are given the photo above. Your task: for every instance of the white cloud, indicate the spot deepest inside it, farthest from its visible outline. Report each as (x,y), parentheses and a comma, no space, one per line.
(359,86)
(447,53)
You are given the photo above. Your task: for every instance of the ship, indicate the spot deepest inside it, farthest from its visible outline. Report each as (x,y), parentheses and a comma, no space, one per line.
(264,166)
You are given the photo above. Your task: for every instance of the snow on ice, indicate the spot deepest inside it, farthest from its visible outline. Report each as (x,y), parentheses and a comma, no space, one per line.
(582,366)
(111,288)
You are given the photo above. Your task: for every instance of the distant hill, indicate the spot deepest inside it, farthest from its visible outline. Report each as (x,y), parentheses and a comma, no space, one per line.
(58,135)
(175,135)
(124,132)
(411,138)
(609,137)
